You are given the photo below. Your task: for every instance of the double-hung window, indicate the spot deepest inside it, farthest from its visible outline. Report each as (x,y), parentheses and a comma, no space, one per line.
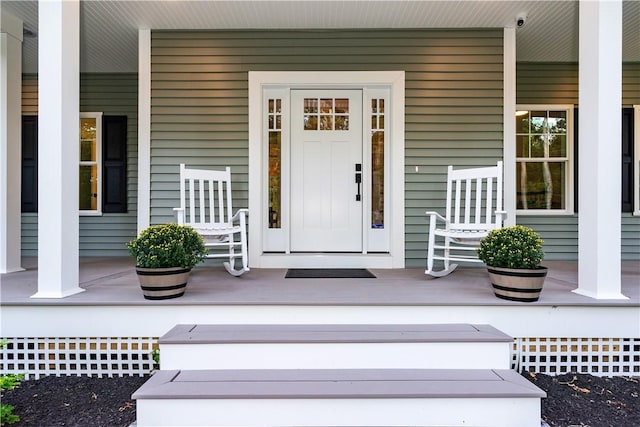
(544,159)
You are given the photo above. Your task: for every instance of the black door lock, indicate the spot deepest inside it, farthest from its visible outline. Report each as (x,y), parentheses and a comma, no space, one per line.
(358,180)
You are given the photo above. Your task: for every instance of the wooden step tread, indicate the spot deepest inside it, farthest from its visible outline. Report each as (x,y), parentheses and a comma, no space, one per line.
(337,384)
(227,334)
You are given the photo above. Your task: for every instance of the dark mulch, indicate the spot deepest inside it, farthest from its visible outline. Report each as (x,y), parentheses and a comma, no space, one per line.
(585,400)
(75,401)
(573,400)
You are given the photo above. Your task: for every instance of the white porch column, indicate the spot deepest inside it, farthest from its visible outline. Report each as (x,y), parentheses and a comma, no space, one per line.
(600,129)
(58,148)
(144,128)
(509,126)
(10,141)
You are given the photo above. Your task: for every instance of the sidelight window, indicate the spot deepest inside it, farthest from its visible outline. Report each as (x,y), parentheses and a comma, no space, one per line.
(275,163)
(377,163)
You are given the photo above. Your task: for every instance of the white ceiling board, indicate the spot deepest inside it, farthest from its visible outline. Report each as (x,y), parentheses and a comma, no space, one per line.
(109,29)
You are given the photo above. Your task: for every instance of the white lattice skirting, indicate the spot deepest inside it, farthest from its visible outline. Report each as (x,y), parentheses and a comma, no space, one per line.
(603,357)
(99,357)
(36,357)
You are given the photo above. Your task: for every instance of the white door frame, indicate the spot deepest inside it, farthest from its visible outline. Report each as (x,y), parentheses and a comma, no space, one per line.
(259,80)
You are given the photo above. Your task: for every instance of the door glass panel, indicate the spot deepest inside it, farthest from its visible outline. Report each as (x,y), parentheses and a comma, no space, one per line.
(377,163)
(326,114)
(275,166)
(310,105)
(326,106)
(310,122)
(342,106)
(326,123)
(342,122)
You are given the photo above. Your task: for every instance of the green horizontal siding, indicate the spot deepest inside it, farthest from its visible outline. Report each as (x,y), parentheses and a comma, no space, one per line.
(553,83)
(630,84)
(200,114)
(29,95)
(557,83)
(111,94)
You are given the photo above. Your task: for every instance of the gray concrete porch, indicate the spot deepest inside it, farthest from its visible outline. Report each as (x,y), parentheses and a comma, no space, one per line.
(113,281)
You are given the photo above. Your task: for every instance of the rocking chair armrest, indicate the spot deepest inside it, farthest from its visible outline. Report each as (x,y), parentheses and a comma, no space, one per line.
(179,213)
(240,213)
(503,214)
(436,216)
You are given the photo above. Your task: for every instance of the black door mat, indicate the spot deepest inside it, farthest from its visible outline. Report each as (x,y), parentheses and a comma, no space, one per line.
(329,273)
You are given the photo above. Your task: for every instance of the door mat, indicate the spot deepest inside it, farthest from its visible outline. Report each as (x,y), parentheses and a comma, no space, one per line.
(329,273)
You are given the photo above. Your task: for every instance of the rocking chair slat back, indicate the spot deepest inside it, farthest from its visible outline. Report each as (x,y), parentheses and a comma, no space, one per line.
(472,208)
(208,197)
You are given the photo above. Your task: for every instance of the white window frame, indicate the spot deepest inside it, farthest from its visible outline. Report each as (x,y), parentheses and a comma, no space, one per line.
(98,117)
(570,159)
(636,160)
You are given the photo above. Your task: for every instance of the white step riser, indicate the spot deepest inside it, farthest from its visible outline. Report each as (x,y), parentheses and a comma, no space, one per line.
(337,375)
(495,412)
(467,355)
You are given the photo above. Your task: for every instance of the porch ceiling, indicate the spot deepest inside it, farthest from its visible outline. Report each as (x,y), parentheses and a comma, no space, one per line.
(109,27)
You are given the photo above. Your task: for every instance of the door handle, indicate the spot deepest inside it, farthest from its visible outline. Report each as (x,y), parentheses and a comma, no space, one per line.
(358,180)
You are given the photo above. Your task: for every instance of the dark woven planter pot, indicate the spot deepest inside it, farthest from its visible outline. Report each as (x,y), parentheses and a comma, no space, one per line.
(163,283)
(517,284)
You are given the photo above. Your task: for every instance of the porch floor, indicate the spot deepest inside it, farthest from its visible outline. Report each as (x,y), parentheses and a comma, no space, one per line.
(113,281)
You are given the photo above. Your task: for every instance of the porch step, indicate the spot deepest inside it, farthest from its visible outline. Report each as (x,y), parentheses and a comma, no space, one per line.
(330,397)
(448,346)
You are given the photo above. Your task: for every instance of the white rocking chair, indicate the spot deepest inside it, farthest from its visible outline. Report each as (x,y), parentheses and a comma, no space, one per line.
(205,205)
(469,216)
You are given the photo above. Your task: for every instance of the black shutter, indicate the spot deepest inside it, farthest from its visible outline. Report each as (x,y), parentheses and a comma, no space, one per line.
(114,163)
(627,160)
(29,164)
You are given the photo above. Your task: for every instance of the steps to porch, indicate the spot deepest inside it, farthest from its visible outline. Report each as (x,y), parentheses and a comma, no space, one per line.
(335,347)
(337,375)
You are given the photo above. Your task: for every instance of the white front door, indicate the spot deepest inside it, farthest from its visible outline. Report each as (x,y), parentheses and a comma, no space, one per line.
(326,158)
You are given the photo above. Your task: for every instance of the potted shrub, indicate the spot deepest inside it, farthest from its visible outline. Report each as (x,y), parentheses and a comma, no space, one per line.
(513,256)
(165,254)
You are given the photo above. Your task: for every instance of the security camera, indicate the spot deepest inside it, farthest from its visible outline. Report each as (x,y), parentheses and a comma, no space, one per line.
(521,19)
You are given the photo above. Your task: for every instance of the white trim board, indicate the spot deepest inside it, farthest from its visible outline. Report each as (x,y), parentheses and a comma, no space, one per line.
(259,80)
(155,320)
